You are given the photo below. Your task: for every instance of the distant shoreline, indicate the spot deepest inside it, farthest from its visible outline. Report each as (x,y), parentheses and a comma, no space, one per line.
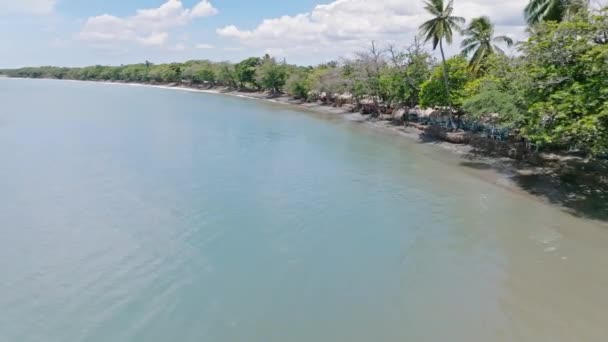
(412,133)
(319,108)
(282,99)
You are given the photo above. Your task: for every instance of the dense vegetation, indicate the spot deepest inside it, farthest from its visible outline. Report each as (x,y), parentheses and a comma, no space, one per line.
(553,93)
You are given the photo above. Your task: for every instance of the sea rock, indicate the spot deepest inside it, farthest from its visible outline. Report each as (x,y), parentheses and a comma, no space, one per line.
(418,112)
(368,108)
(386,117)
(399,114)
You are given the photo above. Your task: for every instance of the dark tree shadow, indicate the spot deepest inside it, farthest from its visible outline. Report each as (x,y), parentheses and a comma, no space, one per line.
(582,199)
(477,165)
(426,139)
(574,191)
(578,187)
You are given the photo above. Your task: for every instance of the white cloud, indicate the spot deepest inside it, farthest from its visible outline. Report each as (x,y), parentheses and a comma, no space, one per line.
(154,39)
(27,6)
(148,27)
(204,9)
(340,27)
(204,46)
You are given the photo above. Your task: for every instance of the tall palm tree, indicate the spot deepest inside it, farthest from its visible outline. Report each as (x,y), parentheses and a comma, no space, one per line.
(441,28)
(556,10)
(480,39)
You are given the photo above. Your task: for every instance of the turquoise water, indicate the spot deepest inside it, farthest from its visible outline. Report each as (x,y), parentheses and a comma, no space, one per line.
(141,214)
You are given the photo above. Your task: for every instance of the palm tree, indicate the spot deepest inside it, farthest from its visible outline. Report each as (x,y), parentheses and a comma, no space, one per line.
(556,10)
(441,28)
(480,38)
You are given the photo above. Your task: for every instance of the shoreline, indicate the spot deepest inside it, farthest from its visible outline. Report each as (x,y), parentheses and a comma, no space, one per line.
(316,107)
(540,182)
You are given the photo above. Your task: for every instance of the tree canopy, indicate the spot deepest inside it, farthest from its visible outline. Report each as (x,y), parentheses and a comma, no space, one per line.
(481,42)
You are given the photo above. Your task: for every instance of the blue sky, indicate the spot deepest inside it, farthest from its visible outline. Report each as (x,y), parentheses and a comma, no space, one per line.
(86,32)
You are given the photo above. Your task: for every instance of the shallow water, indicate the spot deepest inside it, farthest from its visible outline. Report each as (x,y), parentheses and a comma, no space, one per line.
(139,214)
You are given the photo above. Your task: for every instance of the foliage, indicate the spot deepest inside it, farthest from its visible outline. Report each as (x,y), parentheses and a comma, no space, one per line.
(553,10)
(441,28)
(226,75)
(443,24)
(328,79)
(244,72)
(271,75)
(492,101)
(480,41)
(432,93)
(299,84)
(569,93)
(166,73)
(401,83)
(135,72)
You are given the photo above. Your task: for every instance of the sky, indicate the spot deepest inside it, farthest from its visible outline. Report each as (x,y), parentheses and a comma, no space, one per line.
(307,32)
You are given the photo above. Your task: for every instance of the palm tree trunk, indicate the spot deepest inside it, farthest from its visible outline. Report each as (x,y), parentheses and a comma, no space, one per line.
(445,73)
(447,81)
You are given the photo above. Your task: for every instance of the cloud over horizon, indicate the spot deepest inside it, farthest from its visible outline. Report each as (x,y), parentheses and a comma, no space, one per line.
(79,32)
(148,27)
(351,24)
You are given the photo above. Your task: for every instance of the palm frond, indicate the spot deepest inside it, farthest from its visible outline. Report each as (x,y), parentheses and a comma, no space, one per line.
(466,50)
(468,41)
(556,10)
(478,58)
(504,39)
(535,10)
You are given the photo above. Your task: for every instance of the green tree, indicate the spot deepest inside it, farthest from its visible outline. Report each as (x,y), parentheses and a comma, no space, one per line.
(491,100)
(299,84)
(568,95)
(271,75)
(134,73)
(441,28)
(552,10)
(329,79)
(432,93)
(244,71)
(401,80)
(480,41)
(206,75)
(226,75)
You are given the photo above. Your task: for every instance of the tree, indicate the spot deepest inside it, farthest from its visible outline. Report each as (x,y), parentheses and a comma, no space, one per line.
(552,10)
(568,94)
(134,73)
(206,75)
(226,75)
(491,100)
(432,93)
(166,73)
(363,74)
(441,28)
(480,41)
(329,79)
(402,80)
(245,71)
(299,84)
(271,75)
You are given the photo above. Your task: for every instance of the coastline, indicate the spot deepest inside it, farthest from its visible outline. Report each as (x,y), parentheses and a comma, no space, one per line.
(541,182)
(316,107)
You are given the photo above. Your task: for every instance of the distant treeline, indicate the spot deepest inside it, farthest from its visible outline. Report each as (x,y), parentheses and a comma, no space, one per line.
(553,93)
